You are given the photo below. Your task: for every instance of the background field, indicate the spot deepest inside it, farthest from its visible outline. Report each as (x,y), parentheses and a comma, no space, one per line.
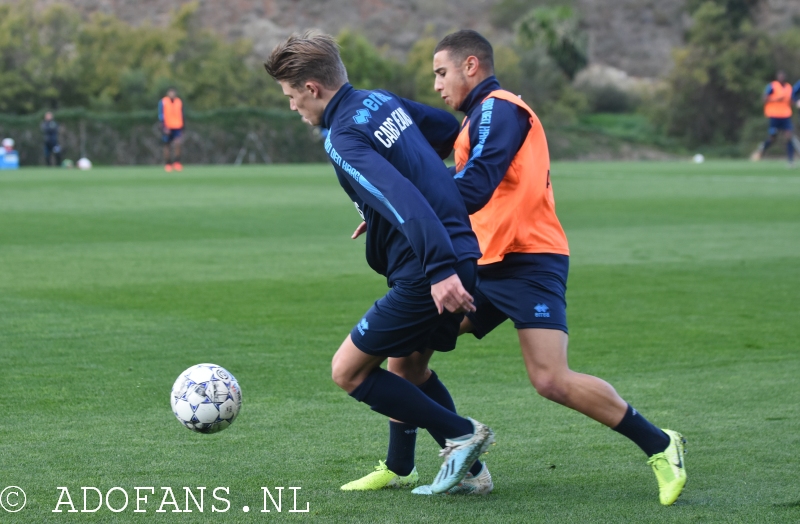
(683,294)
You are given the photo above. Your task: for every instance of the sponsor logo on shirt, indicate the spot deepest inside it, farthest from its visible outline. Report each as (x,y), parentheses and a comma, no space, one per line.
(389,131)
(362,116)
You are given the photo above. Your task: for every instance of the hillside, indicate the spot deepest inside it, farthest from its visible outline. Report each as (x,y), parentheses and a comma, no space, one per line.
(636,36)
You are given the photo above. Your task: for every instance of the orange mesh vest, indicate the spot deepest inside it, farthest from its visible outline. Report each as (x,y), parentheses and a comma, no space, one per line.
(521,215)
(779,103)
(173,112)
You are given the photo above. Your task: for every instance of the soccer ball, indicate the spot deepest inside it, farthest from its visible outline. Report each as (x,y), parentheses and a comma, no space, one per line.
(84,163)
(698,158)
(206,398)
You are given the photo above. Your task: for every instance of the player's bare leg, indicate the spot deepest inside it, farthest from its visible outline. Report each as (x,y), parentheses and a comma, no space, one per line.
(545,354)
(351,366)
(413,368)
(177,157)
(763,146)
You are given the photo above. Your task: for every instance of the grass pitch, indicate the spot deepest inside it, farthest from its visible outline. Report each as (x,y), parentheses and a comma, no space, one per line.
(683,294)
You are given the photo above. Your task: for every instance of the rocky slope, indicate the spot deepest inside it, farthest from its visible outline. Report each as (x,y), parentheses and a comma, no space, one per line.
(636,36)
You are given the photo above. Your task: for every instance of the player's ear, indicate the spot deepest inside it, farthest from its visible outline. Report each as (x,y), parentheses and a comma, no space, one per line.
(313,89)
(471,65)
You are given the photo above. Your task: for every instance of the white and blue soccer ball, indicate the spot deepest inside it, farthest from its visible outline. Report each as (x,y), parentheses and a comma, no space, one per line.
(206,398)
(84,163)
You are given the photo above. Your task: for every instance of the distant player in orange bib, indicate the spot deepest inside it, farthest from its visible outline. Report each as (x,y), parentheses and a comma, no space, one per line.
(170,113)
(778,110)
(503,173)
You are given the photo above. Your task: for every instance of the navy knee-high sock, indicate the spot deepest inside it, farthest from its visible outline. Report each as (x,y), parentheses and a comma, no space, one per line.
(402,444)
(399,399)
(435,389)
(403,437)
(643,433)
(790,150)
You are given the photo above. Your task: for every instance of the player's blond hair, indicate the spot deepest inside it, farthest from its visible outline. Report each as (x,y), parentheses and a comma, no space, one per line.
(312,55)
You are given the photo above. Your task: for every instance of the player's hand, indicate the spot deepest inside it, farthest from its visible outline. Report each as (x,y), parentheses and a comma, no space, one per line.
(450,294)
(360,230)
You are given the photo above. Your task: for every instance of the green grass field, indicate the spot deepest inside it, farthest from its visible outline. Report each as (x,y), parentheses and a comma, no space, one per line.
(684,294)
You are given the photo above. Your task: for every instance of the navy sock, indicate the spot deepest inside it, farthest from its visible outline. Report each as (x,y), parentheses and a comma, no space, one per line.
(399,399)
(644,434)
(790,150)
(402,441)
(766,144)
(435,389)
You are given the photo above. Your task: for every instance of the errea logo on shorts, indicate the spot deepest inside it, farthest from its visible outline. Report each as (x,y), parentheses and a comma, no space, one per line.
(542,311)
(363,326)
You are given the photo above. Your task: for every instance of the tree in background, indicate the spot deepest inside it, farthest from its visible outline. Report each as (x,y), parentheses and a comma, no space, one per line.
(557,30)
(54,59)
(714,92)
(366,67)
(550,48)
(36,52)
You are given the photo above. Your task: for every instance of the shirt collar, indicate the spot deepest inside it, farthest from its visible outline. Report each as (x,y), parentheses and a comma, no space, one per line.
(330,109)
(478,93)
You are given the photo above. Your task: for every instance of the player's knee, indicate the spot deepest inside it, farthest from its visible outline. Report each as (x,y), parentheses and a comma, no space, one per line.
(342,376)
(550,386)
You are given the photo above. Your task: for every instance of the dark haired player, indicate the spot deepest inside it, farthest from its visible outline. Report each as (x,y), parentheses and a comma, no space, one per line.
(778,109)
(418,236)
(170,114)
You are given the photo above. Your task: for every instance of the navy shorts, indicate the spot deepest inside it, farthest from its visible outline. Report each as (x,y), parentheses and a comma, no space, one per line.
(528,288)
(406,320)
(171,134)
(780,124)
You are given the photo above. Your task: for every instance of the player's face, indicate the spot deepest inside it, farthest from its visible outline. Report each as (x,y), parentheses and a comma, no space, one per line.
(305,101)
(450,82)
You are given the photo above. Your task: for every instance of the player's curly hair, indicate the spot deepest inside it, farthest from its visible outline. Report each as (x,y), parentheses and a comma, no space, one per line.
(312,55)
(466,43)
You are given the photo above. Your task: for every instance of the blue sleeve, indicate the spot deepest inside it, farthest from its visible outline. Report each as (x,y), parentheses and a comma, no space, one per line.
(768,90)
(351,193)
(161,110)
(383,188)
(439,127)
(495,138)
(796,91)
